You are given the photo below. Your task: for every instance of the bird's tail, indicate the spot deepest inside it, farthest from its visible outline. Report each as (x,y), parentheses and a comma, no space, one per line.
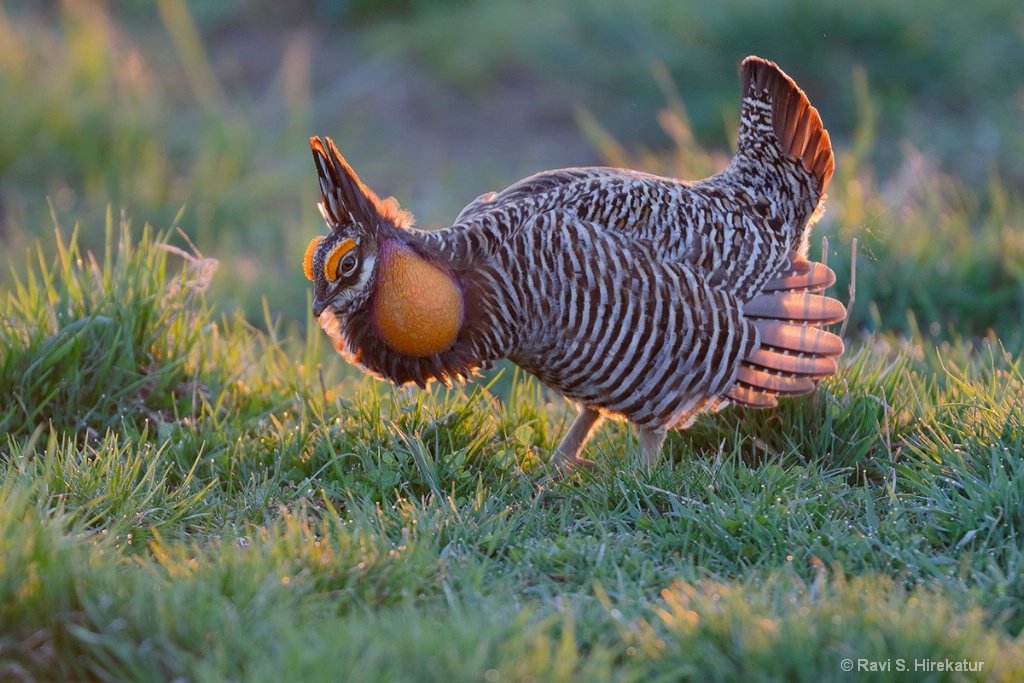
(776,119)
(783,153)
(795,352)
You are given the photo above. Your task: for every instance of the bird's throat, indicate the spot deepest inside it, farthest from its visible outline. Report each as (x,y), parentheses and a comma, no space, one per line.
(418,308)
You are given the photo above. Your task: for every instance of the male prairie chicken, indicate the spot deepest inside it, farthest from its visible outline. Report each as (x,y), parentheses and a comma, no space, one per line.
(634,296)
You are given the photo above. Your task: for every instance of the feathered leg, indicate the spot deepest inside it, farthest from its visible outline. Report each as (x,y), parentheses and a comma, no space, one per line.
(568,453)
(651,441)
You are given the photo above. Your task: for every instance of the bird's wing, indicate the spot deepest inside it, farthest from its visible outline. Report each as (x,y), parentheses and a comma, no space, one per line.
(739,228)
(542,188)
(606,323)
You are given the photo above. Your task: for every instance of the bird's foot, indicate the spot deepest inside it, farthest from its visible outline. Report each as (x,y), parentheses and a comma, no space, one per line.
(561,466)
(567,464)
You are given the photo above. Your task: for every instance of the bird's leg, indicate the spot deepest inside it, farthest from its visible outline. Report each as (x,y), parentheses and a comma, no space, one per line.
(582,427)
(651,441)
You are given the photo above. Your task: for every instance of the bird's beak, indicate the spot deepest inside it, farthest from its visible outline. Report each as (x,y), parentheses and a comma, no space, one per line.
(318,307)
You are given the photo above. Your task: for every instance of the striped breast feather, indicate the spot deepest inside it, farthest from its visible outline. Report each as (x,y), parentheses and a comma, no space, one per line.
(609,325)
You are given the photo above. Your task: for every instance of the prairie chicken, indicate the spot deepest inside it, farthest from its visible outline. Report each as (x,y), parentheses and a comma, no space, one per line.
(634,296)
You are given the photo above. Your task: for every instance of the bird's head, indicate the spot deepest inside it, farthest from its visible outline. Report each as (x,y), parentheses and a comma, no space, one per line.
(367,277)
(342,264)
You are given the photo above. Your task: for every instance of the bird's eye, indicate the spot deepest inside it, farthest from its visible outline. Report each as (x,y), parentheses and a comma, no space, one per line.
(348,265)
(341,261)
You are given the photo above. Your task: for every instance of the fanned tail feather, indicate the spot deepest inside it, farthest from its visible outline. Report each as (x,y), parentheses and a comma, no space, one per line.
(796,123)
(801,275)
(795,353)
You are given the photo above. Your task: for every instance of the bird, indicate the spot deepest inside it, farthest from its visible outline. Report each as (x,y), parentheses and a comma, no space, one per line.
(636,297)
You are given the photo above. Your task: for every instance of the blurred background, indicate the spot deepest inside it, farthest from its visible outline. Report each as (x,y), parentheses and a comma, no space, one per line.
(198,114)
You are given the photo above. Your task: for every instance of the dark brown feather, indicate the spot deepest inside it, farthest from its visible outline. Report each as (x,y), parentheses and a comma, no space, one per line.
(797,124)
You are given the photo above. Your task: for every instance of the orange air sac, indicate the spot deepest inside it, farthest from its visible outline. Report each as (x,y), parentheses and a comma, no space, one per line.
(417,309)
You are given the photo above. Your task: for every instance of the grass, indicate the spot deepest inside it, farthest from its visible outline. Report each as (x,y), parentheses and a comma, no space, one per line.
(194,487)
(169,112)
(936,86)
(260,526)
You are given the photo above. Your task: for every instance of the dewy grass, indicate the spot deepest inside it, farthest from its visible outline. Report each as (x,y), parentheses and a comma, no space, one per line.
(183,497)
(258,517)
(117,486)
(90,344)
(100,108)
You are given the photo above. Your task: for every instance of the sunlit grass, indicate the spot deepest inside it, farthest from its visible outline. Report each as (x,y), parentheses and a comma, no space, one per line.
(101,111)
(387,525)
(185,496)
(142,110)
(91,343)
(937,257)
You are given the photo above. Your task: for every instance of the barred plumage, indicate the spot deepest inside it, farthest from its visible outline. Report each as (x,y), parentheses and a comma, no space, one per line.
(634,296)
